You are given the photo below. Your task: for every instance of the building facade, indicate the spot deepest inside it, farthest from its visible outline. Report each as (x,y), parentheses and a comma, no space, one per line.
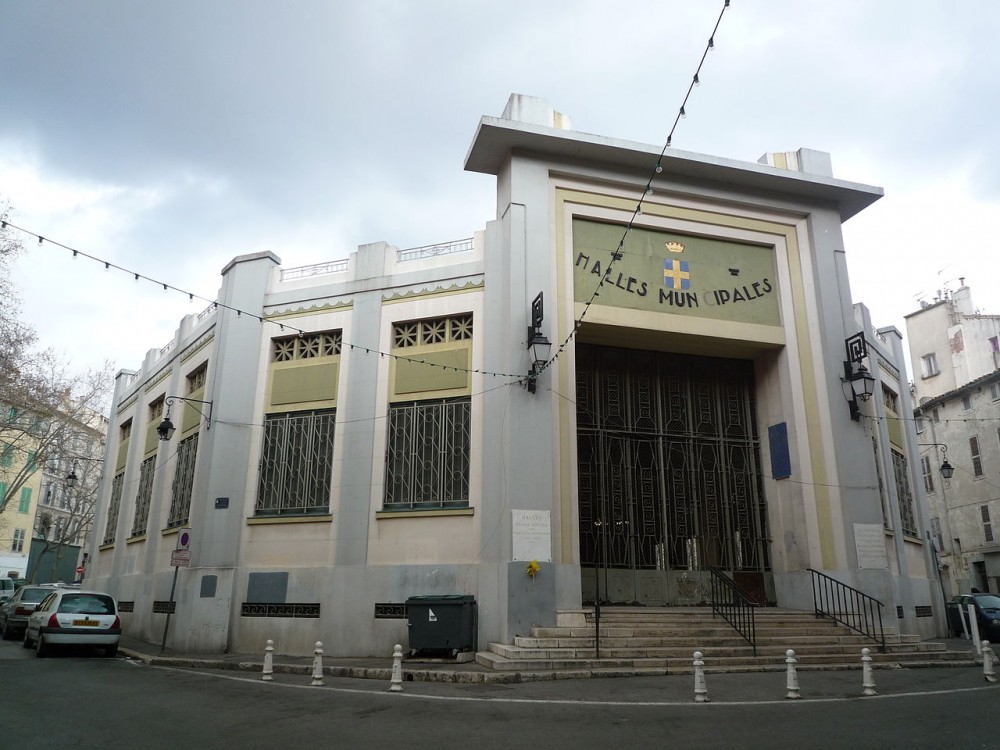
(352,434)
(955,356)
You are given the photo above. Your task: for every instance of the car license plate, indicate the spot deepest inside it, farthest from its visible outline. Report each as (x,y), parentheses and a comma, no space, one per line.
(85,623)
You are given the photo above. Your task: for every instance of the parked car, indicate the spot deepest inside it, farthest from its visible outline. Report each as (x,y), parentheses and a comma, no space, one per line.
(73,617)
(14,612)
(7,588)
(987,614)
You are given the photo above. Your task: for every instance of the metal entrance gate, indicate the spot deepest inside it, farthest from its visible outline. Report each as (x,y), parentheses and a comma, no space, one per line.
(669,476)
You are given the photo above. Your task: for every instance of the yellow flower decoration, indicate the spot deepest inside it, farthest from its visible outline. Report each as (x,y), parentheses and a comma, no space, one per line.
(533,568)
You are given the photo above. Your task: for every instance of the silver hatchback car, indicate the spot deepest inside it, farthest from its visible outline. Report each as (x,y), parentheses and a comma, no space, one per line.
(71,617)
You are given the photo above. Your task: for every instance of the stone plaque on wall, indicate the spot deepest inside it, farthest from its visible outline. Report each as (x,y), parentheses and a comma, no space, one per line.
(532,530)
(869,540)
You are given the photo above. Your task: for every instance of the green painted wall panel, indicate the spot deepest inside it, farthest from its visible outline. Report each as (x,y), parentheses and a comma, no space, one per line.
(302,383)
(415,377)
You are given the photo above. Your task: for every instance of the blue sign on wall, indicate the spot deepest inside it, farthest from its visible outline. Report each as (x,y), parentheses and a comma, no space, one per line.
(781,462)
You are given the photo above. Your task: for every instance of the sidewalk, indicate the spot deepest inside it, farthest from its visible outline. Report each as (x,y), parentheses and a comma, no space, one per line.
(645,685)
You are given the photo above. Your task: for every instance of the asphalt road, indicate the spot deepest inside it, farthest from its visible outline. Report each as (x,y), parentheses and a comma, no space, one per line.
(84,701)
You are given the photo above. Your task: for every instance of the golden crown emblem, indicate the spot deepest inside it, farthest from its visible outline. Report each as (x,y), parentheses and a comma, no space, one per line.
(675,247)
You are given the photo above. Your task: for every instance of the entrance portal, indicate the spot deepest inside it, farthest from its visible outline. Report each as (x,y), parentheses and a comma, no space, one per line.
(669,476)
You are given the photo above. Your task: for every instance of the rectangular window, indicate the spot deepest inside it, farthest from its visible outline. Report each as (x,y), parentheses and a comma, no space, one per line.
(966,403)
(7,455)
(977,459)
(995,391)
(196,380)
(296,463)
(180,500)
(929,366)
(18,545)
(25,505)
(919,424)
(935,417)
(111,527)
(143,496)
(925,468)
(906,514)
(984,511)
(427,454)
(3,492)
(890,400)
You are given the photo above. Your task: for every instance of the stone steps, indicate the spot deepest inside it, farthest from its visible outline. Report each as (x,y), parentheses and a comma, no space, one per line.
(662,641)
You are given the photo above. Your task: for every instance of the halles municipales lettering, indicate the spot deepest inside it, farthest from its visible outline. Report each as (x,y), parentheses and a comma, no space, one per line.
(675,297)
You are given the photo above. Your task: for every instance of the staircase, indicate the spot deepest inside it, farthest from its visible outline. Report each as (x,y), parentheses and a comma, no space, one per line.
(656,641)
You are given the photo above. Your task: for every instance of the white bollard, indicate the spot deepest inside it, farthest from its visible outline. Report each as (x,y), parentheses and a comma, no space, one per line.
(974,629)
(867,678)
(318,665)
(700,688)
(792,681)
(988,660)
(267,674)
(396,680)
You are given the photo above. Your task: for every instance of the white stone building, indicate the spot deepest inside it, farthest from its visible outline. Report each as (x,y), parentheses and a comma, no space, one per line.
(353,434)
(955,356)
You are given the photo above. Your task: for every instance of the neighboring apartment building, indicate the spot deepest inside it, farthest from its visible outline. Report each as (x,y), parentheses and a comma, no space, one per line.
(71,479)
(20,484)
(955,356)
(341,437)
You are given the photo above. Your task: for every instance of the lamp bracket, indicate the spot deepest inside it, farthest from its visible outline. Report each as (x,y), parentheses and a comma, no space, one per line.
(208,416)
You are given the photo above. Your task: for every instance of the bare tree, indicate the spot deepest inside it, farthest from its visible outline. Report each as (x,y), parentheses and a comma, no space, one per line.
(65,521)
(42,401)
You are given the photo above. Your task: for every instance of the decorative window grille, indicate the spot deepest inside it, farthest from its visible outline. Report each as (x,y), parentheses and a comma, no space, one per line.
(902,475)
(180,501)
(296,465)
(196,379)
(156,410)
(432,331)
(116,499)
(143,496)
(984,511)
(18,543)
(925,468)
(890,400)
(306,346)
(977,459)
(881,486)
(427,455)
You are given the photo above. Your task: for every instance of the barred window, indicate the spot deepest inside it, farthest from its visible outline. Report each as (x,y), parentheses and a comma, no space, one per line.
(142,498)
(296,464)
(907,516)
(116,500)
(306,346)
(427,455)
(180,501)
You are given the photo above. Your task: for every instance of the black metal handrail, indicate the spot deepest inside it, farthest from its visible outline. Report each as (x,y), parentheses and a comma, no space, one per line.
(734,606)
(848,606)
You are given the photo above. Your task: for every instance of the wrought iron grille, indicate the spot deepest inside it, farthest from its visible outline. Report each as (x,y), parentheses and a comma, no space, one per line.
(907,517)
(143,496)
(180,501)
(427,455)
(116,500)
(669,466)
(296,465)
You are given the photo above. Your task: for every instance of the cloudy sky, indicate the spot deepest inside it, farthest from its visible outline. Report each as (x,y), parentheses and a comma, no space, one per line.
(169,137)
